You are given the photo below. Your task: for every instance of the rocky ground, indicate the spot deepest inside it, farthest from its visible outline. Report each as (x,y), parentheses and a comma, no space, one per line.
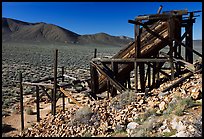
(36,62)
(176,114)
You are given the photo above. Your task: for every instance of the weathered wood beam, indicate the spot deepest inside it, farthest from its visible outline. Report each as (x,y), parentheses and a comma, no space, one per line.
(175,84)
(37,104)
(94,81)
(190,49)
(38,84)
(45,79)
(21,101)
(69,96)
(106,73)
(131,60)
(63,96)
(55,82)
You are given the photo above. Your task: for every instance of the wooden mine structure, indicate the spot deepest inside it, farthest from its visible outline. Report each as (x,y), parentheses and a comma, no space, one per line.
(143,56)
(152,34)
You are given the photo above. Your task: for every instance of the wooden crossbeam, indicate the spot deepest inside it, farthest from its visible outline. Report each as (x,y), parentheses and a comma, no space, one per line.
(131,60)
(45,92)
(38,84)
(45,79)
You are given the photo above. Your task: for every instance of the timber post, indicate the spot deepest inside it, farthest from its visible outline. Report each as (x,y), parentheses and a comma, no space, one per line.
(55,82)
(63,96)
(37,103)
(21,101)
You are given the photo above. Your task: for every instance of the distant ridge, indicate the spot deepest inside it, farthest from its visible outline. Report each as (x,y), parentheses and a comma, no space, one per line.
(19,31)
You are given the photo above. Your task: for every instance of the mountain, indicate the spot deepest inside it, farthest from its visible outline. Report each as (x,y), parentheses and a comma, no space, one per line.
(20,31)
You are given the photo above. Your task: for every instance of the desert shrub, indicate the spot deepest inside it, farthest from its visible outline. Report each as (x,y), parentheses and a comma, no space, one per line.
(179,105)
(119,134)
(144,116)
(83,115)
(87,134)
(168,134)
(187,102)
(123,99)
(145,128)
(29,111)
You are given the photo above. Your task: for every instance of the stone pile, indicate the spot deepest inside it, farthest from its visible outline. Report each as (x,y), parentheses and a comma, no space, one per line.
(121,114)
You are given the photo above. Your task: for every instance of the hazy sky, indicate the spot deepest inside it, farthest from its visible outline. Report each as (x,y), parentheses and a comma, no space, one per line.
(94,17)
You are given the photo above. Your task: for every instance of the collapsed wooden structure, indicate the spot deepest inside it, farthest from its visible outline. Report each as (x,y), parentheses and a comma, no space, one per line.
(152,34)
(143,56)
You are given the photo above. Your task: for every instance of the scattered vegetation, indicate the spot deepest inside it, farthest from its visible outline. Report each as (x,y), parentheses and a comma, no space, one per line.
(147,128)
(168,134)
(179,105)
(119,134)
(123,99)
(144,116)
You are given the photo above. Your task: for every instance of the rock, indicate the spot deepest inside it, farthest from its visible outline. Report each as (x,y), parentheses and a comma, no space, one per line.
(132,125)
(196,95)
(130,128)
(166,130)
(119,128)
(151,104)
(162,106)
(181,134)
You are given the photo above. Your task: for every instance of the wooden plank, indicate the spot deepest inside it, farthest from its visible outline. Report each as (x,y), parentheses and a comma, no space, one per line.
(186,64)
(95,52)
(159,10)
(69,96)
(94,81)
(37,103)
(190,49)
(45,79)
(189,41)
(115,71)
(142,80)
(55,82)
(106,73)
(132,60)
(38,84)
(63,96)
(21,101)
(175,84)
(146,51)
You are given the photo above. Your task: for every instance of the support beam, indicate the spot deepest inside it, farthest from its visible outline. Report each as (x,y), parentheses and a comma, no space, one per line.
(68,95)
(175,84)
(189,40)
(149,75)
(38,84)
(63,96)
(21,101)
(171,35)
(94,81)
(55,82)
(37,104)
(115,71)
(95,52)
